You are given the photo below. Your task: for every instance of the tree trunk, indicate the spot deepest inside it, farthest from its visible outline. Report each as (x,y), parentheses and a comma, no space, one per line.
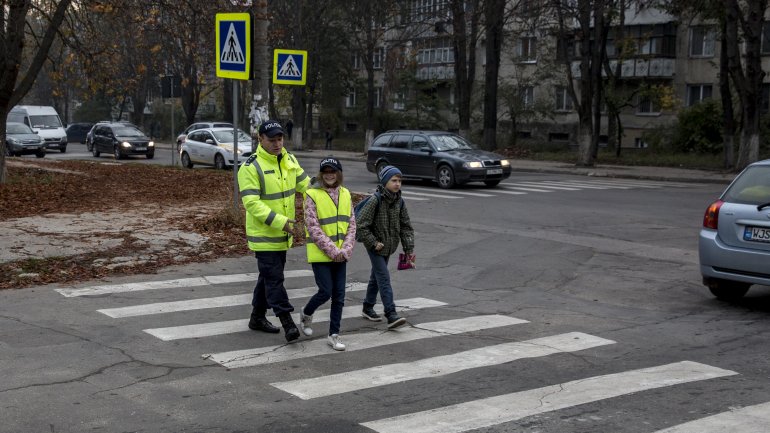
(728,116)
(465,59)
(494,13)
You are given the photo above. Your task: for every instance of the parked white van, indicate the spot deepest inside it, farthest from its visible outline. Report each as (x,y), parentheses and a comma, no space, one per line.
(44,121)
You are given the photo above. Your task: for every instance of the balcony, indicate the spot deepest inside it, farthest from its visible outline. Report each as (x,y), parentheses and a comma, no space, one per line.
(435,72)
(637,68)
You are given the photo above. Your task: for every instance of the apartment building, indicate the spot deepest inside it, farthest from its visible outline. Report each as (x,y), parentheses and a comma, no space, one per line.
(674,64)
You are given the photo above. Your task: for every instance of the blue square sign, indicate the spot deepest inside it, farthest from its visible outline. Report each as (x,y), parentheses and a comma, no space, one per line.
(233,48)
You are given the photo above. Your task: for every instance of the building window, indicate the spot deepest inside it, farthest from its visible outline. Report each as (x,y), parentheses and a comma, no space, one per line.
(350,101)
(423,10)
(563,100)
(527,95)
(639,143)
(377,56)
(697,93)
(399,99)
(526,49)
(378,96)
(647,106)
(765,38)
(355,61)
(702,41)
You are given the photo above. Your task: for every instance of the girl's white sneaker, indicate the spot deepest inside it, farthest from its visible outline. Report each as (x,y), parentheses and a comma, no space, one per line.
(335,343)
(304,323)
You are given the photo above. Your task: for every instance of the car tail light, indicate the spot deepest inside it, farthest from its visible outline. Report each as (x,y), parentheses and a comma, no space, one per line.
(711,218)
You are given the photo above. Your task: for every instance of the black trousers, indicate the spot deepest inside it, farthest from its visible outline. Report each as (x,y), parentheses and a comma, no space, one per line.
(269,291)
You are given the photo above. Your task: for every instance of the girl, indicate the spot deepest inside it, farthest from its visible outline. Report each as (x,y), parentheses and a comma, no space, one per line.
(331,233)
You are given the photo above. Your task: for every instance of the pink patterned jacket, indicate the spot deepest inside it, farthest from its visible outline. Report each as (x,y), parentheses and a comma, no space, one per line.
(319,237)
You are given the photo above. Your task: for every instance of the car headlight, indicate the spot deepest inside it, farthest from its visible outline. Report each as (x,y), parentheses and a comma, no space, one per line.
(13,140)
(125,144)
(151,144)
(473,164)
(505,162)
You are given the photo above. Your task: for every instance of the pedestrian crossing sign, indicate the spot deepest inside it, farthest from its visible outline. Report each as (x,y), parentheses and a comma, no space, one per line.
(289,67)
(233,50)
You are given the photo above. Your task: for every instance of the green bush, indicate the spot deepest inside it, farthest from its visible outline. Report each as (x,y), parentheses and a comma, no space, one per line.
(699,129)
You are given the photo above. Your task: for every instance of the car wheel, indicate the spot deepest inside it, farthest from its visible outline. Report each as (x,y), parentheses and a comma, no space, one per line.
(116,152)
(63,149)
(445,177)
(219,162)
(95,151)
(186,163)
(378,169)
(491,183)
(150,155)
(89,146)
(40,153)
(728,290)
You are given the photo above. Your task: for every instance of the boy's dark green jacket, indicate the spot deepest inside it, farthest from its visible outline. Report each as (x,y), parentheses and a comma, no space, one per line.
(387,222)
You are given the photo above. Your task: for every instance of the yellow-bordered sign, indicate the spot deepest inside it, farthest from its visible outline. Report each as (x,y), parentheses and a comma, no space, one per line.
(289,67)
(233,51)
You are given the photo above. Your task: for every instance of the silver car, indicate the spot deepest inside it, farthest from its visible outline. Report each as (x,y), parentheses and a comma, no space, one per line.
(734,244)
(214,146)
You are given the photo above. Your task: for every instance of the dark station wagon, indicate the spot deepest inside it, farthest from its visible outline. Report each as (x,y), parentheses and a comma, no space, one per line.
(441,156)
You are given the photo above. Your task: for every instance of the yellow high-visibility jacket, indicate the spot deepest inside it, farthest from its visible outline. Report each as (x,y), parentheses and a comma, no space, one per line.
(267,190)
(333,219)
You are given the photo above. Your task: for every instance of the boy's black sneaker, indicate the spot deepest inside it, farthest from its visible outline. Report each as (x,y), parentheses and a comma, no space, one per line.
(394,321)
(260,323)
(369,313)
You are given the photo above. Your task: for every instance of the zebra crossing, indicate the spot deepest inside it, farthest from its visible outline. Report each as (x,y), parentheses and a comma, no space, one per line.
(473,414)
(515,188)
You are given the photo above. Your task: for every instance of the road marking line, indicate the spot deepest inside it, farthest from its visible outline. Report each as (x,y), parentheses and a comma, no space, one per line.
(355,342)
(415,198)
(173,284)
(410,192)
(214,302)
(750,419)
(631,183)
(537,184)
(210,329)
(521,188)
(438,366)
(582,185)
(510,407)
(475,194)
(504,191)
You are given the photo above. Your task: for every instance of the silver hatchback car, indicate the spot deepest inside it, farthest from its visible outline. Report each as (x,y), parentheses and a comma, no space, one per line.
(734,243)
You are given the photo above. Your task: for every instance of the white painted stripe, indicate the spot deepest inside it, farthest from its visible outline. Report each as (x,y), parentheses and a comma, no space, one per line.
(355,342)
(505,191)
(214,302)
(631,183)
(474,194)
(173,284)
(414,198)
(750,419)
(200,330)
(510,407)
(438,366)
(521,188)
(573,184)
(408,193)
(539,185)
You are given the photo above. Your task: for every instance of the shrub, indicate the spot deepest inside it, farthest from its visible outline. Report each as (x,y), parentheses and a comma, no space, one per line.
(699,128)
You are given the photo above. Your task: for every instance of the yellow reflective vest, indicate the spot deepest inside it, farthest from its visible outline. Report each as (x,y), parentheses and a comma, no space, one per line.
(267,190)
(333,219)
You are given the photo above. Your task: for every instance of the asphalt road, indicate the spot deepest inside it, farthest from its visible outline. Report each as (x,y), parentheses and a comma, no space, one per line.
(553,303)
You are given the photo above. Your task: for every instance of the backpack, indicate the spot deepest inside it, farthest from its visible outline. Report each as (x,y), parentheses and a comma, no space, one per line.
(357,209)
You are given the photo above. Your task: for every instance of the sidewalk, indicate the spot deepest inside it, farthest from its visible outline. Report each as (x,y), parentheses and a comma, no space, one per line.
(670,174)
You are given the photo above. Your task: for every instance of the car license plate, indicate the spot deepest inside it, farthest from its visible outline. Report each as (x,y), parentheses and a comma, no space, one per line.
(495,171)
(141,148)
(756,234)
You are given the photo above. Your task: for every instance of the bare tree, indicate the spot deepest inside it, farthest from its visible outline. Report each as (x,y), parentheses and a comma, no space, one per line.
(17,73)
(465,34)
(494,17)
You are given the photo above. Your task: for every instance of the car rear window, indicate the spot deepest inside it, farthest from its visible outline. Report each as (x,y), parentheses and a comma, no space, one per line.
(381,141)
(751,187)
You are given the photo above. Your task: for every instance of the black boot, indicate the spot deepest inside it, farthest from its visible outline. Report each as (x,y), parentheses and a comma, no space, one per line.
(259,322)
(292,333)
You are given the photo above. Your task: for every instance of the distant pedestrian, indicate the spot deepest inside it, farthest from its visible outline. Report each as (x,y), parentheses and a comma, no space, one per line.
(329,138)
(267,181)
(331,236)
(382,222)
(289,126)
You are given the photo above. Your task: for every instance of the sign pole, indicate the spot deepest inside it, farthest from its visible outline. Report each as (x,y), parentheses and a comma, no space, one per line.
(173,139)
(236,91)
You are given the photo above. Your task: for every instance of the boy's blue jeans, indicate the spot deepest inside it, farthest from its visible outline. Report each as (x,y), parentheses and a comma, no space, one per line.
(330,279)
(379,281)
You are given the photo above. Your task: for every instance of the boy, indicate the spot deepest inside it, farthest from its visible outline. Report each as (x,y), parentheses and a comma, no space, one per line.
(380,226)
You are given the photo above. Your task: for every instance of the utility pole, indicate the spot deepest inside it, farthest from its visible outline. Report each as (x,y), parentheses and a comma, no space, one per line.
(261,62)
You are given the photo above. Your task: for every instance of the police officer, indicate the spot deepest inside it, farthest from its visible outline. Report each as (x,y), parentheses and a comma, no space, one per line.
(267,182)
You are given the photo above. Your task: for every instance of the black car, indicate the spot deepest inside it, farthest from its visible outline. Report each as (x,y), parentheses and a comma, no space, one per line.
(76,132)
(120,140)
(444,157)
(21,140)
